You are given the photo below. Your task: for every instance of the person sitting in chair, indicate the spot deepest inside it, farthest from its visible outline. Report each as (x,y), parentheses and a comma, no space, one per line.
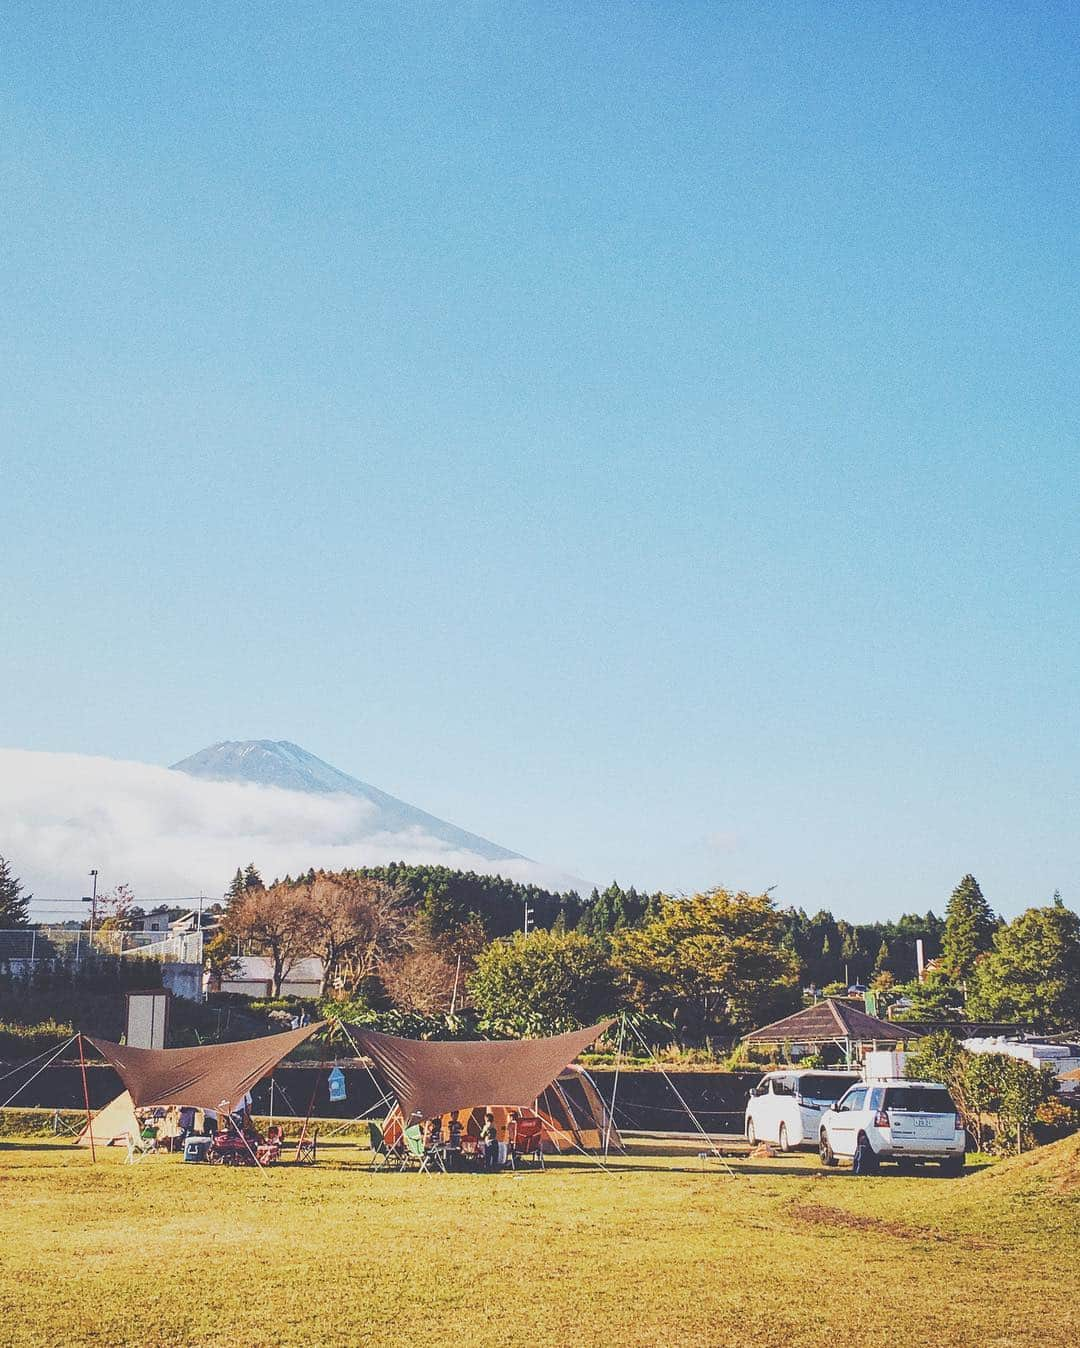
(489,1138)
(433,1134)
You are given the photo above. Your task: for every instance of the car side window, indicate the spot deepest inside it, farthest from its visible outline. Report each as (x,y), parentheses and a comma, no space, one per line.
(853,1100)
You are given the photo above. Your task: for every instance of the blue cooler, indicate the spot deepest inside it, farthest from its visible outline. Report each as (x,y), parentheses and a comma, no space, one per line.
(195,1148)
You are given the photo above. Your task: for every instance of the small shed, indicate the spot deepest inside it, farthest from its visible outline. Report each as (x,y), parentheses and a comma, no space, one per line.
(833,1022)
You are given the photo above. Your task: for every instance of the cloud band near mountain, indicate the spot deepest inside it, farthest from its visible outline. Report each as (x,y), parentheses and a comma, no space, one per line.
(171,835)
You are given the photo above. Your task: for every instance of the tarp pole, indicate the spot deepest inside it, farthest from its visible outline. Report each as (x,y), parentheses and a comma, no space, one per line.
(307,1118)
(614,1086)
(690,1113)
(86,1098)
(243,1139)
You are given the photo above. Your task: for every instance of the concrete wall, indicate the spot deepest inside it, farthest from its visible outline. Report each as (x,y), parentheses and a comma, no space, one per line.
(183,980)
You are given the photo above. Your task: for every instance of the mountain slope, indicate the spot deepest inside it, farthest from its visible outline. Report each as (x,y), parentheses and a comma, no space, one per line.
(281,764)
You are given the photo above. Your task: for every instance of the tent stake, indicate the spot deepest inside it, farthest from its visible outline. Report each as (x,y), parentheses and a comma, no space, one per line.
(86,1099)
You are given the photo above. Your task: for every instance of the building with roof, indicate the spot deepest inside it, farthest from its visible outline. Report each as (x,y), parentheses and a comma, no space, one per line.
(832,1023)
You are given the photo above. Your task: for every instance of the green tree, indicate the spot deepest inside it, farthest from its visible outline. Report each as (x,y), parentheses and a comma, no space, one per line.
(252,878)
(1032,974)
(985,1087)
(14,904)
(712,962)
(543,983)
(969,930)
(935,998)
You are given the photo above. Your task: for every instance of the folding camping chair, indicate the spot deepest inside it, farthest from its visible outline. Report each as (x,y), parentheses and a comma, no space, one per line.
(269,1150)
(427,1157)
(138,1147)
(383,1156)
(528,1142)
(307,1149)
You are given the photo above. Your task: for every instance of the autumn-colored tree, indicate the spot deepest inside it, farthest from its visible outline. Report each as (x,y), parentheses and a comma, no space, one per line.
(118,907)
(419,980)
(429,975)
(273,921)
(352,923)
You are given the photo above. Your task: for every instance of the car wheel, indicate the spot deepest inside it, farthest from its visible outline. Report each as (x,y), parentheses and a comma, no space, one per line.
(952,1165)
(751,1133)
(825,1151)
(865,1161)
(781,1137)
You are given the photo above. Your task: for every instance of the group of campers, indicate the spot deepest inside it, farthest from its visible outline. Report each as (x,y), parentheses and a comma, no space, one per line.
(458,1150)
(183,1100)
(168,1129)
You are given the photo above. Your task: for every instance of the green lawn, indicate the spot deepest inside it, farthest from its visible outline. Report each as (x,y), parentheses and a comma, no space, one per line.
(660,1251)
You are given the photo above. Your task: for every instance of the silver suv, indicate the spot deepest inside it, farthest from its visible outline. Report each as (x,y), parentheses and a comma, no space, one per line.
(894,1120)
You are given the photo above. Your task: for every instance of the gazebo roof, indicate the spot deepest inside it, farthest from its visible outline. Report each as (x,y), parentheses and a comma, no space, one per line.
(828,1021)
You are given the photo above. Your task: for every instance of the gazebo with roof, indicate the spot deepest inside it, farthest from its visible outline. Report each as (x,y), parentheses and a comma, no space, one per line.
(833,1022)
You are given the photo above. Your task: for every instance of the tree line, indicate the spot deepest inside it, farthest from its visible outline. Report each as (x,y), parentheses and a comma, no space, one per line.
(711,963)
(422,941)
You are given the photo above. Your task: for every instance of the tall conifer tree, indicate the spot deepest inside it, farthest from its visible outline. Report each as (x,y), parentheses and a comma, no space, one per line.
(14,904)
(969,929)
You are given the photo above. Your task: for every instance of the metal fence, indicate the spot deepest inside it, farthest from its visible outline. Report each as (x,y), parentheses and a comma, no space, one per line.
(28,945)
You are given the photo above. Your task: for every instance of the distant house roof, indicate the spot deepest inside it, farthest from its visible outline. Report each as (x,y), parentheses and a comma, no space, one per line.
(826,1022)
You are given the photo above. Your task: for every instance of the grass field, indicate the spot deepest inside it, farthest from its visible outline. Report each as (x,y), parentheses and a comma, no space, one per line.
(660,1251)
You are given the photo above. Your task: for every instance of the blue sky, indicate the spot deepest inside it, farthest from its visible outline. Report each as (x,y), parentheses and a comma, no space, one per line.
(646,435)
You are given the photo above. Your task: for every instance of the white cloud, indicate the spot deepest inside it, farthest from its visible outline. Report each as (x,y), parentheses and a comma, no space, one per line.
(170,835)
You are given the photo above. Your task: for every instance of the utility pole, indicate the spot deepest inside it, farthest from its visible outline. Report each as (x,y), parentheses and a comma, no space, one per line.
(528,917)
(457,975)
(92,901)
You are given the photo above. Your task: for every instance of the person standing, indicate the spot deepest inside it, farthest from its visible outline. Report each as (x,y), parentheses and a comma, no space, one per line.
(453,1142)
(489,1138)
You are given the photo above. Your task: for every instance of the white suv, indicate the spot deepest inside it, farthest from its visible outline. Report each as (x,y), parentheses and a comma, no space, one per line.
(894,1120)
(786,1107)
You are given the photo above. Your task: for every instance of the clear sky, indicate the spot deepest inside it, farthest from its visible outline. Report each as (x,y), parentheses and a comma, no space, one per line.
(645,435)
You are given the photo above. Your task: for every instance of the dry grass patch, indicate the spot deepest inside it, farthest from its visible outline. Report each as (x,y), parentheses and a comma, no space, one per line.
(661,1251)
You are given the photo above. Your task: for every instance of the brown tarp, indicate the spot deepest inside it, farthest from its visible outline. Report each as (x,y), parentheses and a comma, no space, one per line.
(203,1077)
(431,1077)
(572,1111)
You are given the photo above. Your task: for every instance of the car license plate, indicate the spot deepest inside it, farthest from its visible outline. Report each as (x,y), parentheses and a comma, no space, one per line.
(924,1123)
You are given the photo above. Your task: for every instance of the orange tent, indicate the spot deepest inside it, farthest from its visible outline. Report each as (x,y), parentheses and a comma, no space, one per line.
(571,1109)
